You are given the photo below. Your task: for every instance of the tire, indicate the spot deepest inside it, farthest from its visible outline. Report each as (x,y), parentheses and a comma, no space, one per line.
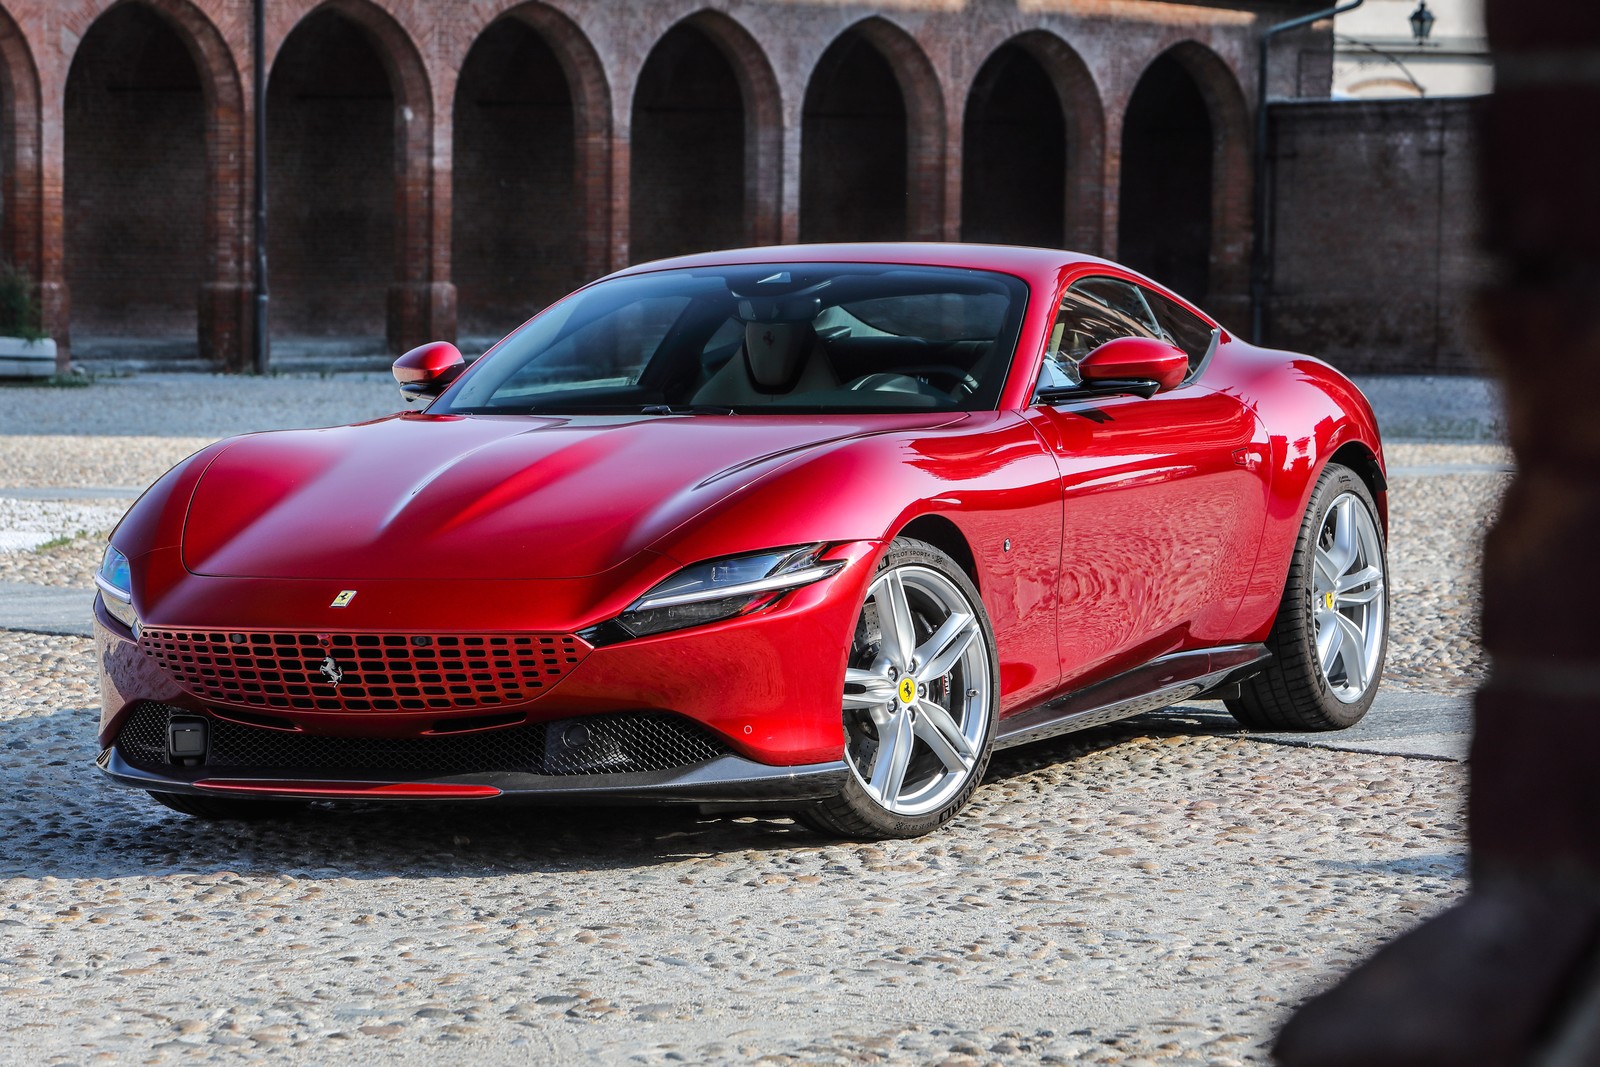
(227,808)
(943,735)
(1332,631)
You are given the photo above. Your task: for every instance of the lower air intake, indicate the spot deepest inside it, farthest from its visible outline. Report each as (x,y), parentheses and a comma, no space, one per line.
(621,743)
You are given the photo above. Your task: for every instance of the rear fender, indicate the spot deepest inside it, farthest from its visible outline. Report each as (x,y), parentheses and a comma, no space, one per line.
(1312,414)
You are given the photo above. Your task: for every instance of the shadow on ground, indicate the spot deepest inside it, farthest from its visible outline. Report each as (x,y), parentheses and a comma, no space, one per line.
(67,821)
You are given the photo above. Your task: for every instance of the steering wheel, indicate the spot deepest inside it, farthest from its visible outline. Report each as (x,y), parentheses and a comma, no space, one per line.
(956,377)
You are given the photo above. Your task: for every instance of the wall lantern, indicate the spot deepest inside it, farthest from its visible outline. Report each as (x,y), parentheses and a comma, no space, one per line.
(1421,21)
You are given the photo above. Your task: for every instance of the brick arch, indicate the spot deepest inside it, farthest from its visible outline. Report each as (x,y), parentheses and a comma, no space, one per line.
(763,122)
(1083,114)
(1231,177)
(923,98)
(591,101)
(220,297)
(225,293)
(21,185)
(420,303)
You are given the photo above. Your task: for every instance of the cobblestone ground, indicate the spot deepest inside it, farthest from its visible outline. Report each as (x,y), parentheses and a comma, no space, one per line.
(1134,895)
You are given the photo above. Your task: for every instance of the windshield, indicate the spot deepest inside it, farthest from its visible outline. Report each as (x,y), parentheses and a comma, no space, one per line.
(759,338)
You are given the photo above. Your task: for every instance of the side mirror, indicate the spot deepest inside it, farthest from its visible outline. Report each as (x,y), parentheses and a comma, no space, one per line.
(425,371)
(1134,359)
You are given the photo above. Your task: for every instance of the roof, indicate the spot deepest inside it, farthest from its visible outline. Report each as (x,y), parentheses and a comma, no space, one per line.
(1012,259)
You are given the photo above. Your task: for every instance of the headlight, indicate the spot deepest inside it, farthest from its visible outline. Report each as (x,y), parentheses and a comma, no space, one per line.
(116,589)
(723,588)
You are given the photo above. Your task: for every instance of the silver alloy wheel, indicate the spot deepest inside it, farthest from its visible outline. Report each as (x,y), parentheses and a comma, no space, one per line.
(1347,586)
(916,709)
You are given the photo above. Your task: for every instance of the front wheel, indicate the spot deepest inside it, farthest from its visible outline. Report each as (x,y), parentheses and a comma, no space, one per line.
(921,688)
(1332,629)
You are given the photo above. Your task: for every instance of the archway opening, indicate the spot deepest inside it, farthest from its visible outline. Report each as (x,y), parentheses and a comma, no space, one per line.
(331,184)
(687,185)
(853,147)
(1164,217)
(134,191)
(516,223)
(1014,154)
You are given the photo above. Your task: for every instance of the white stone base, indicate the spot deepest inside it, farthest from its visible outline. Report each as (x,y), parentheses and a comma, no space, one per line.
(27,359)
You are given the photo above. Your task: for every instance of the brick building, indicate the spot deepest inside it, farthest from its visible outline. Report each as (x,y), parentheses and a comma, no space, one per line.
(447,166)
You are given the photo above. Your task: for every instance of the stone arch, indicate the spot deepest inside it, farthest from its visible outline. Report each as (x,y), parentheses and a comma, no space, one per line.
(178,257)
(1190,76)
(706,142)
(1072,192)
(416,303)
(832,106)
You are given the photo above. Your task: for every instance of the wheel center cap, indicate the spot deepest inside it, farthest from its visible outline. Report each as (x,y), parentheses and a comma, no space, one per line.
(908,690)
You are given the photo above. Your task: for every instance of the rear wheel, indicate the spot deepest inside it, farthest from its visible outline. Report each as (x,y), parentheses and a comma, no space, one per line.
(1332,631)
(229,808)
(921,689)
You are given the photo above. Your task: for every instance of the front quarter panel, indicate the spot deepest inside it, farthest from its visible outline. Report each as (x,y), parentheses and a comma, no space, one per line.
(987,477)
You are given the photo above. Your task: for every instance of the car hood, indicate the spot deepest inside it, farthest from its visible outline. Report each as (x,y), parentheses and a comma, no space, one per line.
(463,497)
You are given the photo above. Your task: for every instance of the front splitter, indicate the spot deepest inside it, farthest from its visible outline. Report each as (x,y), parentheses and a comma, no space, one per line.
(725,780)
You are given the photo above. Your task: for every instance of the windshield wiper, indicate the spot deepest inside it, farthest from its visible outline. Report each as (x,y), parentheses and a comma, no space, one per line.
(686,409)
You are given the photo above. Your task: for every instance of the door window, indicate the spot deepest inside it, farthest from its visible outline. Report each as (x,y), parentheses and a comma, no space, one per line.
(1092,312)
(1182,327)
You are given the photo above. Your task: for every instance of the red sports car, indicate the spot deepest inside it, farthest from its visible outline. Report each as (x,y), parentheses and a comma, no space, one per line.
(811,528)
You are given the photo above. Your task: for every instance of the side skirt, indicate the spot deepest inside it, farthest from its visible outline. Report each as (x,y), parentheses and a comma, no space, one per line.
(1159,683)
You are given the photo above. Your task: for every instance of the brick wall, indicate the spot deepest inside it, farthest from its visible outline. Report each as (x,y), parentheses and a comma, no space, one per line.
(1375,254)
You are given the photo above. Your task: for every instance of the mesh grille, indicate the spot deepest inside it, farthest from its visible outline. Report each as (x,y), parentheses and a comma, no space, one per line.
(596,744)
(362,672)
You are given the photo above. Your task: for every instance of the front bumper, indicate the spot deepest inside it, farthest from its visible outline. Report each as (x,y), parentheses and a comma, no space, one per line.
(767,684)
(730,780)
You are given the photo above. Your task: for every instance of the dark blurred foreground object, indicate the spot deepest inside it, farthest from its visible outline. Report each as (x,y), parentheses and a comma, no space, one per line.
(1511,976)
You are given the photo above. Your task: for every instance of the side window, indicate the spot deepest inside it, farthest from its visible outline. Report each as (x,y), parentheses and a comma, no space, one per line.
(1182,327)
(1123,300)
(1092,312)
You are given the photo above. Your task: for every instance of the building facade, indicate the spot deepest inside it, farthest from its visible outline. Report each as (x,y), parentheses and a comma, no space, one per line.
(1378,55)
(446,167)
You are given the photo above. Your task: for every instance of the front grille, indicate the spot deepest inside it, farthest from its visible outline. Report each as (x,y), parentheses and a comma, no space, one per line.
(362,672)
(595,744)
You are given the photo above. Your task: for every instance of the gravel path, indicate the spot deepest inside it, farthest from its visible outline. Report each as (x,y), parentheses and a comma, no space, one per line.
(1135,895)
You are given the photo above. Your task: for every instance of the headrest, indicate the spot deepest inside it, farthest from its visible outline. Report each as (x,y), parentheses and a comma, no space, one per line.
(776,351)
